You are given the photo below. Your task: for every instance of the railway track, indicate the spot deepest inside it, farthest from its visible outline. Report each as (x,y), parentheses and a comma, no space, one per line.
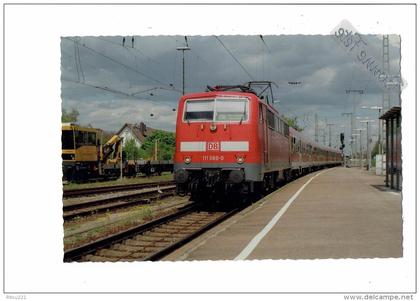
(104,189)
(88,207)
(151,241)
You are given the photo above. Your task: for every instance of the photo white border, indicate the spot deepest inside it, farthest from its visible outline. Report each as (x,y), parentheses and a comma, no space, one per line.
(33,193)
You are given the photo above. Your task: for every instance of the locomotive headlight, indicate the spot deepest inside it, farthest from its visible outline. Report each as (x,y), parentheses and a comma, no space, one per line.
(240,159)
(187,159)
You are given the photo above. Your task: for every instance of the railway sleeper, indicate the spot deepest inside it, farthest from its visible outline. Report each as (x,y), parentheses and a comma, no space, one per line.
(162,244)
(196,224)
(189,222)
(136,256)
(180,235)
(150,238)
(112,253)
(175,227)
(128,248)
(169,239)
(140,242)
(143,247)
(185,231)
(151,249)
(129,259)
(196,219)
(158,234)
(169,230)
(96,258)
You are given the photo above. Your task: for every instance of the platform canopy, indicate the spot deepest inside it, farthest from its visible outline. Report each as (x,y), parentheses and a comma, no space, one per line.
(391,113)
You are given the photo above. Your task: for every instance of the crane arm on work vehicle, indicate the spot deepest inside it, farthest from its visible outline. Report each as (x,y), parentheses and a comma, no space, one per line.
(111,149)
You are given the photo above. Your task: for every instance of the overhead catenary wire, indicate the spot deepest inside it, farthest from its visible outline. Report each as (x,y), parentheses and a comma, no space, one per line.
(265,44)
(126,48)
(126,66)
(114,91)
(265,57)
(72,58)
(193,52)
(236,60)
(103,87)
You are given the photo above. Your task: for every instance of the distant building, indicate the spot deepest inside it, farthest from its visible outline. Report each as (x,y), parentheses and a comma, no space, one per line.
(137,131)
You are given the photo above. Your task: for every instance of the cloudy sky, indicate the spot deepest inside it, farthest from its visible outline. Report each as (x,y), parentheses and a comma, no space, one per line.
(110,83)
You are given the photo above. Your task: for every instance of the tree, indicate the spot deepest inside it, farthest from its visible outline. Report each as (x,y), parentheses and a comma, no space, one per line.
(69,116)
(132,151)
(166,145)
(374,152)
(375,149)
(293,122)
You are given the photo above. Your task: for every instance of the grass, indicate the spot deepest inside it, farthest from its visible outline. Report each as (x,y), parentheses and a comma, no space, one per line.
(166,176)
(145,214)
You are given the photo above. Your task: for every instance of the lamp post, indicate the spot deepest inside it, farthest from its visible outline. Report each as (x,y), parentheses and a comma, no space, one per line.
(183,49)
(368,159)
(156,149)
(351,131)
(353,114)
(121,157)
(360,139)
(355,141)
(329,133)
(379,125)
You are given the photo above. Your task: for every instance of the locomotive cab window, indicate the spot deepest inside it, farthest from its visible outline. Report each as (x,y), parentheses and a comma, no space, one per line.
(220,109)
(231,109)
(91,138)
(67,139)
(199,110)
(80,141)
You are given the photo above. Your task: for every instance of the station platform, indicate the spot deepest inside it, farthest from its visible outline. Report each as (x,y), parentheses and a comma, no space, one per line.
(333,213)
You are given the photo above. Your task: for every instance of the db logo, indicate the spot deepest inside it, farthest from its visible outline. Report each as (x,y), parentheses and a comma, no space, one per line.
(213,146)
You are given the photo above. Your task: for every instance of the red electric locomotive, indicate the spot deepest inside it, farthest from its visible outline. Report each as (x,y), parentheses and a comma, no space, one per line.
(231,140)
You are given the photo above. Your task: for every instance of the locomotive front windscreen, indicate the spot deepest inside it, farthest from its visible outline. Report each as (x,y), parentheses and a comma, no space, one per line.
(221,109)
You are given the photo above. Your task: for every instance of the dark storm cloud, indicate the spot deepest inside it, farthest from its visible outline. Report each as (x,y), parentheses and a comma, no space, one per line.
(147,79)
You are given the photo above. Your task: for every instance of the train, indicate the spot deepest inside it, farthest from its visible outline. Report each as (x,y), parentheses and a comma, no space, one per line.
(84,157)
(230,140)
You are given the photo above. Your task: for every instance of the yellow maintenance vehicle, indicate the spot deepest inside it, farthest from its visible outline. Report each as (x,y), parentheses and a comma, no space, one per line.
(86,158)
(83,155)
